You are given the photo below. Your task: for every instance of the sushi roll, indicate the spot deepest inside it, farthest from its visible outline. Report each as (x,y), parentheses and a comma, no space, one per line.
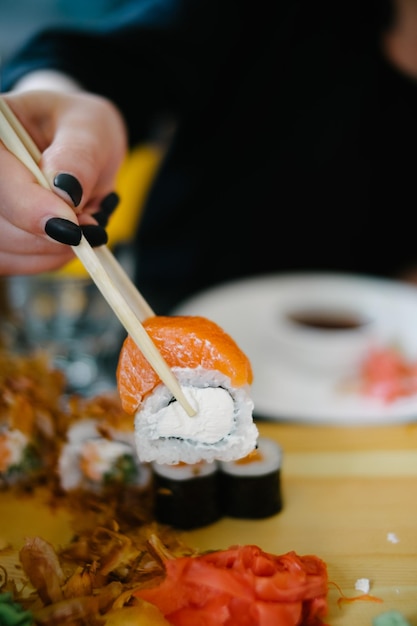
(20,459)
(186,496)
(93,462)
(250,488)
(215,376)
(30,411)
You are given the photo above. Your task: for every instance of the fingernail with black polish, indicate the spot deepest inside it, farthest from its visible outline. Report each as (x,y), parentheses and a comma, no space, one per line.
(101,218)
(109,203)
(71,186)
(63,230)
(95,235)
(107,206)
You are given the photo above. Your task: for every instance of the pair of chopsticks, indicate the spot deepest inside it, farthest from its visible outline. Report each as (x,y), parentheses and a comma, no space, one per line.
(125,300)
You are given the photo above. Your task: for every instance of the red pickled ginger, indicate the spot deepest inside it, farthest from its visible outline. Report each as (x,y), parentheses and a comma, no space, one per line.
(242,586)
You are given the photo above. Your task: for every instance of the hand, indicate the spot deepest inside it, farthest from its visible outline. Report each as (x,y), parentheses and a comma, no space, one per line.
(83,141)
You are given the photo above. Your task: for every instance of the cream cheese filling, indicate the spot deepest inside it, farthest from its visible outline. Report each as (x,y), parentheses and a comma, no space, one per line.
(213,421)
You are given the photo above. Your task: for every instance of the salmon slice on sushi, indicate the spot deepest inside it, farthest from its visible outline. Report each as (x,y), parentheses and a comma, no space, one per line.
(215,376)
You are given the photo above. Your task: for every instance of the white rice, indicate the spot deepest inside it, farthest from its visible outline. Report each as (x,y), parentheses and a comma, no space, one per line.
(240,439)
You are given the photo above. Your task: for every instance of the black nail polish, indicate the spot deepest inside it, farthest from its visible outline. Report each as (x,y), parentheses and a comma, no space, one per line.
(95,235)
(109,203)
(63,230)
(107,206)
(71,186)
(101,218)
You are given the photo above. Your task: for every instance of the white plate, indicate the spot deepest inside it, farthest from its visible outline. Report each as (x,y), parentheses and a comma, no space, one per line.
(246,308)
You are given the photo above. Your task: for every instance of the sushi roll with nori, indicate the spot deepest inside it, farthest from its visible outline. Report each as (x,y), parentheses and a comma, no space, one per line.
(215,376)
(250,488)
(186,496)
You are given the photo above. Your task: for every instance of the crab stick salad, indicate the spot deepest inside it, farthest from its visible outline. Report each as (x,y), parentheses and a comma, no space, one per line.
(215,376)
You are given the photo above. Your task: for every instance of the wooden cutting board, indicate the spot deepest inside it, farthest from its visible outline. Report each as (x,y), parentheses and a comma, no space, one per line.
(350,497)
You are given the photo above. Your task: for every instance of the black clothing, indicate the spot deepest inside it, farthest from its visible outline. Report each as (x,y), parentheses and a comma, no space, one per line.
(294,144)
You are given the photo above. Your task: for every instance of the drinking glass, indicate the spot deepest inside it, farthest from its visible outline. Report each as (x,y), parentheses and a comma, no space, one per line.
(67,318)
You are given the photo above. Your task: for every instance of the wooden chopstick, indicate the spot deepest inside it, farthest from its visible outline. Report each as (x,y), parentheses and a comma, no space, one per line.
(21,133)
(127,303)
(117,273)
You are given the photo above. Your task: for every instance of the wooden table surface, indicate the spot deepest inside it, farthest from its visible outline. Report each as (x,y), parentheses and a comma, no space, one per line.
(350,497)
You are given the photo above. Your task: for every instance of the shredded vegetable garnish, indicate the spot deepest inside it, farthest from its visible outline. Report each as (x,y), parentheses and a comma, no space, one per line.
(363,597)
(93,575)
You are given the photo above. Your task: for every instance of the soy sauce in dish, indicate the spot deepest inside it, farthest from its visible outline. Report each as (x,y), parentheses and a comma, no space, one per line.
(328,320)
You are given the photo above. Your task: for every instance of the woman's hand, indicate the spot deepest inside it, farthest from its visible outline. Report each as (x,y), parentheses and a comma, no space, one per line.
(83,140)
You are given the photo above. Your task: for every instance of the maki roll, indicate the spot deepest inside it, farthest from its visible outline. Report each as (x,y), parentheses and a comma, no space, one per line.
(19,456)
(250,488)
(215,376)
(99,452)
(92,462)
(186,495)
(30,411)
